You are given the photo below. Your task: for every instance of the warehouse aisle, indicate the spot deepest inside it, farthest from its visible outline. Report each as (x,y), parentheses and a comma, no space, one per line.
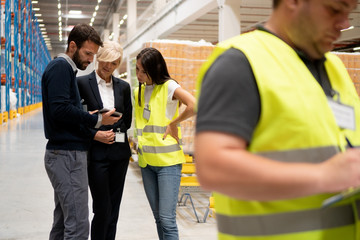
(26,196)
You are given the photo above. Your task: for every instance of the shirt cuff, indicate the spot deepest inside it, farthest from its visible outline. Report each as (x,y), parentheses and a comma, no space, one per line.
(98,124)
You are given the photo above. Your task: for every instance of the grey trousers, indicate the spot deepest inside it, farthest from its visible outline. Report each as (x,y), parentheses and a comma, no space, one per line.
(67,171)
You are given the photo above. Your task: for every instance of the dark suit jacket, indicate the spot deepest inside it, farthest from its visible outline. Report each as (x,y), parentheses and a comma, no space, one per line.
(89,92)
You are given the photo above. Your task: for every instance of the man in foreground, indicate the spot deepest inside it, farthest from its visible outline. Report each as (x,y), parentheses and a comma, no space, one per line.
(277,114)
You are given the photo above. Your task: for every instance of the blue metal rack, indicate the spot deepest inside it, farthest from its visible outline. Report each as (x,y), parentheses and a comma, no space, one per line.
(7,53)
(24,54)
(16,52)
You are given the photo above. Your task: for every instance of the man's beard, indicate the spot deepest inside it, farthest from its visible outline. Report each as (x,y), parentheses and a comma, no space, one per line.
(79,64)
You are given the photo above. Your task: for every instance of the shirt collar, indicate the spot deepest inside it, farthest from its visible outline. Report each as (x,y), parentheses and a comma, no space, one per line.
(69,60)
(99,80)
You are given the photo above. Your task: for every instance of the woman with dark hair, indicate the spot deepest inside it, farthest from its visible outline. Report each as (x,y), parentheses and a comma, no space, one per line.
(157,118)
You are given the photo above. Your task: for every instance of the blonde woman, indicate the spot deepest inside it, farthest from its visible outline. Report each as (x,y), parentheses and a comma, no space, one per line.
(108,160)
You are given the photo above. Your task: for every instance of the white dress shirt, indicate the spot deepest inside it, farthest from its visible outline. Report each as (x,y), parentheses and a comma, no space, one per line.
(106,92)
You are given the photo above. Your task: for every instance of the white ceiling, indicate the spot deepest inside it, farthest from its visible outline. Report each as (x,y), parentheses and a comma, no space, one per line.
(204,27)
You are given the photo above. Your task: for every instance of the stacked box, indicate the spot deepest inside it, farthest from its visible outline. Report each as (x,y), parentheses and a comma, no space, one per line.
(183,60)
(352,64)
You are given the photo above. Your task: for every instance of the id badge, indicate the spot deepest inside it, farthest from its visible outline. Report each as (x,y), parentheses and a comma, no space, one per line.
(146,113)
(344,114)
(120,137)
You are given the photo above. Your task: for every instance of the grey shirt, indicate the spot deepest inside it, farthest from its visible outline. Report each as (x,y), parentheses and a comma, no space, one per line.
(230,101)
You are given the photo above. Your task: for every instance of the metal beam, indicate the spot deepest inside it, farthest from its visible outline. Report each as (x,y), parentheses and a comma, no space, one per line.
(169,20)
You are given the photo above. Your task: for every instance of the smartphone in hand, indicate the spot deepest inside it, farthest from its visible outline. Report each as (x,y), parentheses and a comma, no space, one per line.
(115,114)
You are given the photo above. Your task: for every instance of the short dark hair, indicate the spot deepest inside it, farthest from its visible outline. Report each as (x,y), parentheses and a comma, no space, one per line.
(82,33)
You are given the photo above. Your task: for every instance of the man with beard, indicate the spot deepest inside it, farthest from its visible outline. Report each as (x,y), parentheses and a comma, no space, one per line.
(69,130)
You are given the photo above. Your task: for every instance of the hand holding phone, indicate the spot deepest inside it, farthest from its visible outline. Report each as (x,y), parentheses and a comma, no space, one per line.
(115,114)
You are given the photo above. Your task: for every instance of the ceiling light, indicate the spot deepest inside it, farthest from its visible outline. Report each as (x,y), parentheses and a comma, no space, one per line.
(75,12)
(125,16)
(59,20)
(356,48)
(95,13)
(41,25)
(34,2)
(38,15)
(40,20)
(36,9)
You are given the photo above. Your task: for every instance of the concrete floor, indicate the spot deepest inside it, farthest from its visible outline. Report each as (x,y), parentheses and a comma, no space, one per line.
(26,196)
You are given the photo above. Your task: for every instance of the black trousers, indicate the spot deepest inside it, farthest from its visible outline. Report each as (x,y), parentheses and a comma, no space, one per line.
(106,181)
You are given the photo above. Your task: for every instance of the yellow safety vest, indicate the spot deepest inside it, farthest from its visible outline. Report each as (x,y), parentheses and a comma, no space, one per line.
(296,125)
(153,150)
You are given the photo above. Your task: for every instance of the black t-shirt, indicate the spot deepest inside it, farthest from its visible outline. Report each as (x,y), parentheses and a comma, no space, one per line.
(230,101)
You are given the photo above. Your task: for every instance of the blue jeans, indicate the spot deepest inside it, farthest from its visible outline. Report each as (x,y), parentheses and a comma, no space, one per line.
(161,186)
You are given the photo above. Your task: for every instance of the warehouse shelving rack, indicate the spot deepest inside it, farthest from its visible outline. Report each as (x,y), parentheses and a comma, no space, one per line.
(24,56)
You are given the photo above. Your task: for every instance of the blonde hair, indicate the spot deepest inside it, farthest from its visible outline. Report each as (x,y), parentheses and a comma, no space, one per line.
(110,52)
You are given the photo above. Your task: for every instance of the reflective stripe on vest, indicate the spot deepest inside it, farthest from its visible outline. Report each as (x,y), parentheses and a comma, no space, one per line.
(299,221)
(311,155)
(161,149)
(152,129)
(160,130)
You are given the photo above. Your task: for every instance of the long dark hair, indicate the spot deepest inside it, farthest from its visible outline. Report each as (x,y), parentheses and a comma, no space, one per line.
(154,65)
